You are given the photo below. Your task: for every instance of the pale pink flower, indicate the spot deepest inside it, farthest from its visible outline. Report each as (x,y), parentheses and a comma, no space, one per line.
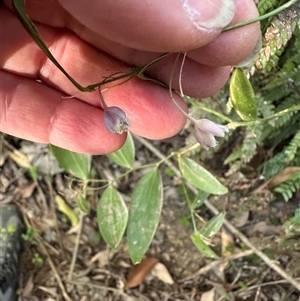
(115,120)
(205,130)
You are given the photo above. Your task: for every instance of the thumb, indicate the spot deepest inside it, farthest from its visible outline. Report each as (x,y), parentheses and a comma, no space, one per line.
(154,25)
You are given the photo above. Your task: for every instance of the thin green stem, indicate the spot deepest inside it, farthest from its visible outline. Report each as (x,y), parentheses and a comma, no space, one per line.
(263,17)
(235,124)
(190,207)
(204,108)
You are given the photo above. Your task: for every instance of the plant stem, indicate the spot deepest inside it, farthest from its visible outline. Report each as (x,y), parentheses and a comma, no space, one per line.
(263,17)
(235,124)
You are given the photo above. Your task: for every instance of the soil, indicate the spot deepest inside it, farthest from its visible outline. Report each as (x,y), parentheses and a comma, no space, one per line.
(47,270)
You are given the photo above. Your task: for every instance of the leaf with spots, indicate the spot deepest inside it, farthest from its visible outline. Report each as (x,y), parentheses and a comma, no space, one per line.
(213,225)
(200,177)
(112,216)
(242,95)
(144,214)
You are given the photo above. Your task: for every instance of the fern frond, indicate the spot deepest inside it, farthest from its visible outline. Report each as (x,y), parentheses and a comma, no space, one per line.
(293,148)
(274,165)
(289,187)
(293,222)
(267,5)
(276,37)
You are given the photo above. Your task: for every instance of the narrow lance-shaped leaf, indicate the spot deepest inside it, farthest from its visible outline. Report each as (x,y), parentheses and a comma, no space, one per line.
(204,249)
(75,163)
(125,155)
(67,210)
(213,226)
(112,216)
(144,214)
(200,177)
(242,95)
(19,8)
(83,204)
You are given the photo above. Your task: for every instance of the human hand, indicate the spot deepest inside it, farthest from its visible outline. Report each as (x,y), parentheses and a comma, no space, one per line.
(104,37)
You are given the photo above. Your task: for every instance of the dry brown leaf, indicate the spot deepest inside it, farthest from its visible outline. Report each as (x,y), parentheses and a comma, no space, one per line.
(161,272)
(242,219)
(139,272)
(282,176)
(29,286)
(264,228)
(50,290)
(208,296)
(278,179)
(227,243)
(25,191)
(102,257)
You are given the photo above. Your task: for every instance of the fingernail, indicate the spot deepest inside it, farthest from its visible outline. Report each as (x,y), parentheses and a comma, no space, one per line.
(252,56)
(209,14)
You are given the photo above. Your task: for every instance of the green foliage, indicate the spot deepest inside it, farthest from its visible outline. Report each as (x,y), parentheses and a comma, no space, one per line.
(265,6)
(276,84)
(293,223)
(112,216)
(242,95)
(125,155)
(290,186)
(202,246)
(273,88)
(77,164)
(144,214)
(200,177)
(277,35)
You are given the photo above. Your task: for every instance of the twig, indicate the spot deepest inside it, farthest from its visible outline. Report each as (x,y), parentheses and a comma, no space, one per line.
(227,224)
(215,263)
(102,287)
(52,206)
(52,266)
(76,247)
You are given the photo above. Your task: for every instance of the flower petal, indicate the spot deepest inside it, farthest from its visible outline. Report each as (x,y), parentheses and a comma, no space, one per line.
(209,126)
(205,139)
(115,120)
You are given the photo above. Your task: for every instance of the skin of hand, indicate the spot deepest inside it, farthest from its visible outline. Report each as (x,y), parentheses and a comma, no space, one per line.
(95,40)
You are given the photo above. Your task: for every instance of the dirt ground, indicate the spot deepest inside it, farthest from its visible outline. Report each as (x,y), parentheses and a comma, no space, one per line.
(49,271)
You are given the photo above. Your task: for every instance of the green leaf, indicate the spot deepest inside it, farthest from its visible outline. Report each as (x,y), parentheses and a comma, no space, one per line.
(200,177)
(144,214)
(242,95)
(204,249)
(83,204)
(112,216)
(77,164)
(199,199)
(125,155)
(213,225)
(67,210)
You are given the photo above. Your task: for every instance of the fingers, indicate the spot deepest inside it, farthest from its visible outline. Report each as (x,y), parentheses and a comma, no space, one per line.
(88,65)
(33,111)
(167,34)
(233,46)
(36,112)
(149,25)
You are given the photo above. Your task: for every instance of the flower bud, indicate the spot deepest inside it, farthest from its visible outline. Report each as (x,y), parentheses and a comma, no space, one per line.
(205,130)
(115,120)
